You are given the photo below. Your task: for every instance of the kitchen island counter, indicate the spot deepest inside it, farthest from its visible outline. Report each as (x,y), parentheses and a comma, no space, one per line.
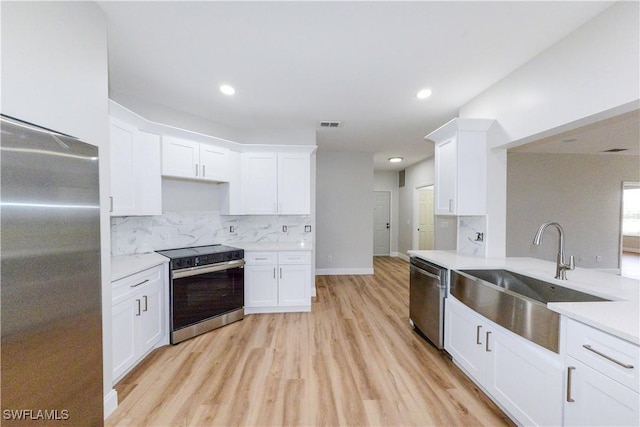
(619,317)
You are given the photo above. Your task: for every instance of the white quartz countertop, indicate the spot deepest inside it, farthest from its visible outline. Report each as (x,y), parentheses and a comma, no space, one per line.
(620,317)
(126,265)
(275,246)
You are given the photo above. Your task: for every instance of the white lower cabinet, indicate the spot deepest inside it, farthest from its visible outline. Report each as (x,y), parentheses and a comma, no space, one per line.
(593,399)
(521,377)
(277,282)
(137,318)
(602,378)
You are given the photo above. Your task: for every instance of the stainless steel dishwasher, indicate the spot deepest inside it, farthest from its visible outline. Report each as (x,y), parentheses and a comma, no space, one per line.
(428,287)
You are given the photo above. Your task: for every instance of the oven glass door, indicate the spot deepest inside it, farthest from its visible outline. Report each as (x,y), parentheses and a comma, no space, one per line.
(200,297)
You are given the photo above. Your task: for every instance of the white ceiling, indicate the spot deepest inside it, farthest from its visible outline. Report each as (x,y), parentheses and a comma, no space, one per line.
(296,63)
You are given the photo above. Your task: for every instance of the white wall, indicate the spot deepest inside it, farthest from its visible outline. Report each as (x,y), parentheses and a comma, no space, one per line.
(388,181)
(583,193)
(54,74)
(417,175)
(593,70)
(344,213)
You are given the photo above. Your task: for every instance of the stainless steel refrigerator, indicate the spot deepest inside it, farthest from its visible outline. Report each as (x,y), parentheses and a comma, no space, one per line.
(50,318)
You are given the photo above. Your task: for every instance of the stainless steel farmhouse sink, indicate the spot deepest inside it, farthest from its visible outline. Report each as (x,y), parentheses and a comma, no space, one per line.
(516,302)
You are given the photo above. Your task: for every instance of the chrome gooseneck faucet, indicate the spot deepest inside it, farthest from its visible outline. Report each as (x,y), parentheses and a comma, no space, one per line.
(561,266)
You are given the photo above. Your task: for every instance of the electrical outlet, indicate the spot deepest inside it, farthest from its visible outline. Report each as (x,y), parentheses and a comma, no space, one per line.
(307,229)
(232,229)
(598,258)
(329,258)
(284,228)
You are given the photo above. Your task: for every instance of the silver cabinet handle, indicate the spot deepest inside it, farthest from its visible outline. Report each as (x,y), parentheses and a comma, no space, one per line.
(141,283)
(570,369)
(196,169)
(262,259)
(609,358)
(110,203)
(274,272)
(486,344)
(203,171)
(450,205)
(478,334)
(138,302)
(281,272)
(146,307)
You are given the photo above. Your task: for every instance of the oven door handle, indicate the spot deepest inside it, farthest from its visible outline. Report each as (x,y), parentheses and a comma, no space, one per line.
(194,271)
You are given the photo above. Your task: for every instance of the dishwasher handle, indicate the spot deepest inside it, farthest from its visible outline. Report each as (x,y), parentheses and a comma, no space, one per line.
(428,274)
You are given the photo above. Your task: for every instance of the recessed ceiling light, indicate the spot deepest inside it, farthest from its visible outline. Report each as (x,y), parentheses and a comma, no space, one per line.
(227,90)
(424,94)
(395,159)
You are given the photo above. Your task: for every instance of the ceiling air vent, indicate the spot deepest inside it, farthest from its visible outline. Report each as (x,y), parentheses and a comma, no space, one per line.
(615,150)
(329,124)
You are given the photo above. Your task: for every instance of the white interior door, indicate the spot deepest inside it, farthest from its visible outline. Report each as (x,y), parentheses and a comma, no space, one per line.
(381,223)
(425,218)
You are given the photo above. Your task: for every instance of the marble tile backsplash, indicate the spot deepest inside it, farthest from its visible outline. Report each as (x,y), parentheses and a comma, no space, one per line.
(468,229)
(132,235)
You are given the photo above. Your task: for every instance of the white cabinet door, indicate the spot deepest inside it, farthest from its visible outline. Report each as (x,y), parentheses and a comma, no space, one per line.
(135,171)
(523,378)
(180,157)
(294,183)
(138,317)
(465,338)
(151,303)
(594,399)
(123,178)
(461,167)
(260,183)
(526,380)
(294,285)
(214,163)
(123,318)
(148,167)
(446,166)
(261,285)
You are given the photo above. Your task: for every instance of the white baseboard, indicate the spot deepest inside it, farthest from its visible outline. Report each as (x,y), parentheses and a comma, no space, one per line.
(110,403)
(343,271)
(403,256)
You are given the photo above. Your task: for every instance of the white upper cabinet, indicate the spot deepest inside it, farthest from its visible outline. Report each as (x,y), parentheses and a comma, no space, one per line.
(214,163)
(461,167)
(294,183)
(182,158)
(135,171)
(260,183)
(276,183)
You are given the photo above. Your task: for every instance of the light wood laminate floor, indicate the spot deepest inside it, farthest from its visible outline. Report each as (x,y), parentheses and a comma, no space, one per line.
(353,361)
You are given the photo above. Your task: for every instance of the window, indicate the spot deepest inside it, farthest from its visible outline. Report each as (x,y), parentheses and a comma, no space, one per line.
(631,209)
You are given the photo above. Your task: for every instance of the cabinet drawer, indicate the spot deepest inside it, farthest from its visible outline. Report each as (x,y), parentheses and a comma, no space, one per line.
(123,287)
(295,257)
(614,357)
(260,258)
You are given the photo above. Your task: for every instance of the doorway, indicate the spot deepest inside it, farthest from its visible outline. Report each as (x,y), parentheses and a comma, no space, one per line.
(423,236)
(630,230)
(382,223)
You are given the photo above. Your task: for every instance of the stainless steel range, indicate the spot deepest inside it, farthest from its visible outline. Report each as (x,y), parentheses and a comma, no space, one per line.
(206,289)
